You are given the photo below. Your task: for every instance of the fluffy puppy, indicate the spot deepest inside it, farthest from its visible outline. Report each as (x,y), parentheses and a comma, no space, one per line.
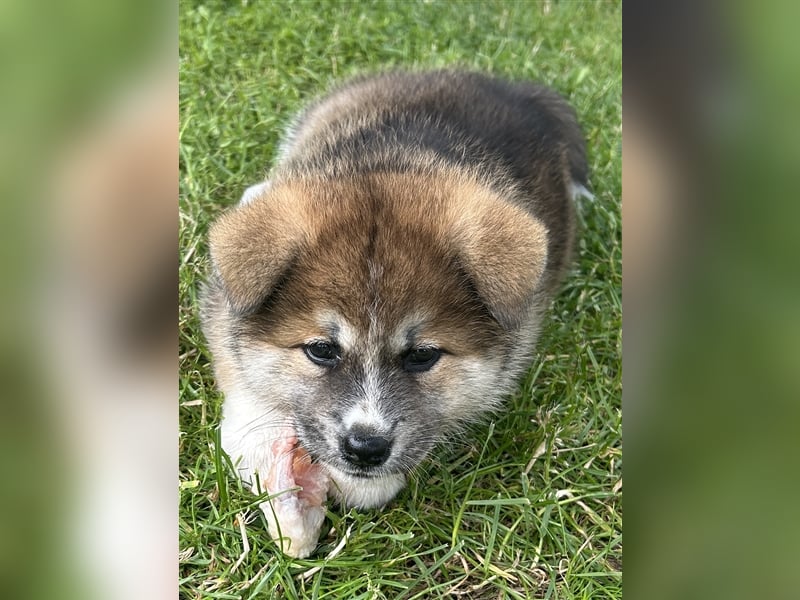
(387,283)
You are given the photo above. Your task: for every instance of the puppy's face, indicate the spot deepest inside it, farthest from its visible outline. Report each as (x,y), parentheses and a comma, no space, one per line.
(377,315)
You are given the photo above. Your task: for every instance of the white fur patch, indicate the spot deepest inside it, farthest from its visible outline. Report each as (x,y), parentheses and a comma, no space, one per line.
(253,192)
(399,339)
(577,190)
(346,334)
(247,431)
(367,415)
(365,493)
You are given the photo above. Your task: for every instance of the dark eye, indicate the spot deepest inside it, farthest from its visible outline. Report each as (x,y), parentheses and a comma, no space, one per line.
(322,353)
(417,360)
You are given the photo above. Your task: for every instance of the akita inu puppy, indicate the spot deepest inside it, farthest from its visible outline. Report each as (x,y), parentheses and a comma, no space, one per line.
(386,284)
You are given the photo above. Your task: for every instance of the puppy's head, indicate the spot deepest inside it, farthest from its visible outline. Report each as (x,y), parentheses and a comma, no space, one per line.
(376,314)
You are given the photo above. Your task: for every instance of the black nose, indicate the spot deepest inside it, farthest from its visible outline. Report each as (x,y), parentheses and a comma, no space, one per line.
(366,450)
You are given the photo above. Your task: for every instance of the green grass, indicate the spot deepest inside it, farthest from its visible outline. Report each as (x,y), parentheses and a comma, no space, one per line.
(529,504)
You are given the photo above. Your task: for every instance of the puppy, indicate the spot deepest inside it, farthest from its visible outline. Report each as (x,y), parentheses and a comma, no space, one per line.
(386,285)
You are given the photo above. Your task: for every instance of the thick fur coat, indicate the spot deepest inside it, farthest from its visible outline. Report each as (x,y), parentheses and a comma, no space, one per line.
(386,284)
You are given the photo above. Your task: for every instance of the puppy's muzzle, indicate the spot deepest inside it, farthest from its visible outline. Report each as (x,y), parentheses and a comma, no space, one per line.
(364,448)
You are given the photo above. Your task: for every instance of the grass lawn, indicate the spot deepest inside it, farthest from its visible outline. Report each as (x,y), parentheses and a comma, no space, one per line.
(528,505)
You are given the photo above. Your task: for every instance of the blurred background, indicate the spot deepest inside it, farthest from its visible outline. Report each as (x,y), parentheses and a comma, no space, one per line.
(711,299)
(88,201)
(88,175)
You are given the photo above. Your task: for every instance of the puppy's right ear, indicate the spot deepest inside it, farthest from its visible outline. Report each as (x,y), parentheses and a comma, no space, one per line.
(253,246)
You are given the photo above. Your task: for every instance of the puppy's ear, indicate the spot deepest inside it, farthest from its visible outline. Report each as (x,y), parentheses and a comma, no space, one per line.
(254,244)
(504,251)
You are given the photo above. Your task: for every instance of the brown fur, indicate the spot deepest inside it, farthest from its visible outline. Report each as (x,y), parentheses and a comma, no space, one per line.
(544,155)
(315,239)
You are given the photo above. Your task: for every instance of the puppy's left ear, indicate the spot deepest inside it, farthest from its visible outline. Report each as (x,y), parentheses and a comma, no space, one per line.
(504,251)
(253,245)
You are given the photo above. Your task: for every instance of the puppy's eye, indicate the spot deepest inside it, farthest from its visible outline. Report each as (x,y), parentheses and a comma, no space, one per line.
(421,359)
(322,353)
